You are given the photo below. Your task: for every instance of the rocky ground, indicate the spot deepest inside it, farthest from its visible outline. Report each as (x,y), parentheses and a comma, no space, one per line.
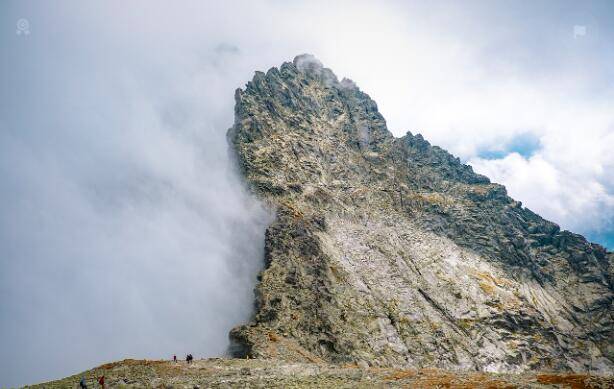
(238,373)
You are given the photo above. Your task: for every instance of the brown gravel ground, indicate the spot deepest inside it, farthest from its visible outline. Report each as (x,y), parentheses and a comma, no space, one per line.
(239,373)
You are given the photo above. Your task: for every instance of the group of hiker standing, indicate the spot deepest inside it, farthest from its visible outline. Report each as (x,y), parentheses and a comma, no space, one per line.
(188,358)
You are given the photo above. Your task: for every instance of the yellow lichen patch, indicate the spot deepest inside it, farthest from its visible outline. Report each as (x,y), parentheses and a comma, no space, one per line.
(430,199)
(466,323)
(273,337)
(404,320)
(337,273)
(296,213)
(499,306)
(500,282)
(487,287)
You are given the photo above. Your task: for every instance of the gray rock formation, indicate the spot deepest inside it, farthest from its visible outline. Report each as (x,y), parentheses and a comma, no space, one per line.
(389,252)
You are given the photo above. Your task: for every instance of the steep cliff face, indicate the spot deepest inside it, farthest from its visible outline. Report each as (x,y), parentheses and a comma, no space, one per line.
(389,251)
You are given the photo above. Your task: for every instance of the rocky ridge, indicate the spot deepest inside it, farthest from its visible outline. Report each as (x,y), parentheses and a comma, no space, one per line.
(389,252)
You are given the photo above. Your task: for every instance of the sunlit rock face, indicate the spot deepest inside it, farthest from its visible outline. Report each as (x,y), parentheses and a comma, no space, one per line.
(389,252)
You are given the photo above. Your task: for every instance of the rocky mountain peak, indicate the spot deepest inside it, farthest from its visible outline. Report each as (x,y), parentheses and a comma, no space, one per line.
(390,252)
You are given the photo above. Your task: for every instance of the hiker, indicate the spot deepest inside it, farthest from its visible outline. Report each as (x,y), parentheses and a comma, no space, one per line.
(101,381)
(82,383)
(175,358)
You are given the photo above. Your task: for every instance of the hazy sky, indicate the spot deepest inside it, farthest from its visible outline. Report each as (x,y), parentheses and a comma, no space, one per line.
(124,231)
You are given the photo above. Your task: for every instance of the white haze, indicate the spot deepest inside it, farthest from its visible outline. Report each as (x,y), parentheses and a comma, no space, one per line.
(125,232)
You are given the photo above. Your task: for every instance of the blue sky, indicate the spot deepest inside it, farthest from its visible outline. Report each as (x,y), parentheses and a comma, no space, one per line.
(526,144)
(116,191)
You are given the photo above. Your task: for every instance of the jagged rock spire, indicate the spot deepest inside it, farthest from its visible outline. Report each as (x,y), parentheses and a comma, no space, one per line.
(390,251)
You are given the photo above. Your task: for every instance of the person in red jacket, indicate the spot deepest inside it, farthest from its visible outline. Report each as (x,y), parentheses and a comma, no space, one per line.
(101,381)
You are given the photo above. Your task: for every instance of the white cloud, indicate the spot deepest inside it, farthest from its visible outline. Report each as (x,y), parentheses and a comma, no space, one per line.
(555,193)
